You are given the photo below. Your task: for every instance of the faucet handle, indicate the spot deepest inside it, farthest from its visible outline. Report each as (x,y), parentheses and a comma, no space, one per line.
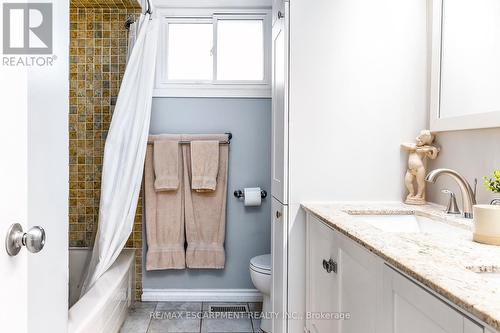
(452,207)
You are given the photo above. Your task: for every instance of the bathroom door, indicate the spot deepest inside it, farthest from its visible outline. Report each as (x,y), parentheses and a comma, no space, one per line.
(34,176)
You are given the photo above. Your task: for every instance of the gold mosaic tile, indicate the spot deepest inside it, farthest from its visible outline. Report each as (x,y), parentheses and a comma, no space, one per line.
(97,64)
(129,4)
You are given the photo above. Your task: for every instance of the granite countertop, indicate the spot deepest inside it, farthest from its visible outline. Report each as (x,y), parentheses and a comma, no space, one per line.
(446,262)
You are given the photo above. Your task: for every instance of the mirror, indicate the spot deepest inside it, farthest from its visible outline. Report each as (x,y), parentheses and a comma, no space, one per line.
(465,71)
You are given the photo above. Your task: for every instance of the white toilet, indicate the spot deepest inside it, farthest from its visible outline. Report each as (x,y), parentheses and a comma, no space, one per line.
(260,272)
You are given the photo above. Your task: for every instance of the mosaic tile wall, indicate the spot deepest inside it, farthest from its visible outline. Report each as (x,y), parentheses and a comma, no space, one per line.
(98,48)
(105,4)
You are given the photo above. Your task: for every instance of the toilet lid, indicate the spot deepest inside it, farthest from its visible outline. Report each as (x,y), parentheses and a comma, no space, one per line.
(261,263)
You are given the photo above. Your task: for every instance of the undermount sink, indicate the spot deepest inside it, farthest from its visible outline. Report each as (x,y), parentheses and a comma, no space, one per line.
(409,223)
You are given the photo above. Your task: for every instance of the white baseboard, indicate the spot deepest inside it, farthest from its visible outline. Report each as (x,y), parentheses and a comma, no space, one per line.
(201,295)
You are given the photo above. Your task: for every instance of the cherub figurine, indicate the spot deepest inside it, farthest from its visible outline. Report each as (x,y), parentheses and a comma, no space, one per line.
(417,164)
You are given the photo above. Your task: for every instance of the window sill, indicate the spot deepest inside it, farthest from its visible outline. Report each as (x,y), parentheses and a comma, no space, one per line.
(214,92)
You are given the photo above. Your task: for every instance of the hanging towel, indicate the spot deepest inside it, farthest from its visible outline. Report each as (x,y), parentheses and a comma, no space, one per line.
(206,212)
(164,221)
(166,165)
(204,165)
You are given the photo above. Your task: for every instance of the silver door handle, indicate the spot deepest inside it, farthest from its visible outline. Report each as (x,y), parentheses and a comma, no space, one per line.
(34,239)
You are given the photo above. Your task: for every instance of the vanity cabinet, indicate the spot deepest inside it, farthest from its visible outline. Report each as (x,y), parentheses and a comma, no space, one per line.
(409,308)
(341,282)
(359,278)
(322,277)
(344,278)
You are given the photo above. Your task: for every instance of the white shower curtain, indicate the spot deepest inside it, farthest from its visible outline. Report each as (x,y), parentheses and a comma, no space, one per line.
(125,152)
(132,37)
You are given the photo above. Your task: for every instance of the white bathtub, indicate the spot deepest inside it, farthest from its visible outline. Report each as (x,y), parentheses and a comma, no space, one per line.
(104,307)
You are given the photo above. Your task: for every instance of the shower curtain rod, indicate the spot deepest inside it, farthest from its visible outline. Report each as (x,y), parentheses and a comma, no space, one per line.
(226,142)
(131,20)
(149,8)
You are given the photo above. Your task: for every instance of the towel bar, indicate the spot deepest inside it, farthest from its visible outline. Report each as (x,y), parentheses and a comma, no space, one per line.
(227,142)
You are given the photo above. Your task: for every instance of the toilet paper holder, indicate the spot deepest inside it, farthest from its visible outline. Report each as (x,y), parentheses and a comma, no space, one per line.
(239,194)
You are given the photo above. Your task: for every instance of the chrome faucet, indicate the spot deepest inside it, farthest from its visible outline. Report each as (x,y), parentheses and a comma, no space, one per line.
(495,202)
(468,195)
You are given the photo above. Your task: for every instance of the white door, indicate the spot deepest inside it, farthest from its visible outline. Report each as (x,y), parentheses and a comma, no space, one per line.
(34,182)
(279,254)
(280,111)
(322,293)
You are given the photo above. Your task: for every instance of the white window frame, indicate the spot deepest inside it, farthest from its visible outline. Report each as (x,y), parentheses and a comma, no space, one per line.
(212,88)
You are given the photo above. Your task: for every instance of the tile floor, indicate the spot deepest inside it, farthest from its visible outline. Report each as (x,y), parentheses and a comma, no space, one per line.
(187,317)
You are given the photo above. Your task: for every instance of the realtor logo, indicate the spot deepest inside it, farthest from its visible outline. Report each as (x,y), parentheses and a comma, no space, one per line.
(27,28)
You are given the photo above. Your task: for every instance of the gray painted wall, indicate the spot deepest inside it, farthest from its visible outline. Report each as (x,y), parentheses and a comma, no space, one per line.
(474,153)
(248,229)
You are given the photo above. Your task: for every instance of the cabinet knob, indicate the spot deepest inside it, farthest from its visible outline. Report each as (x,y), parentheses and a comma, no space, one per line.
(330,266)
(278,214)
(281,15)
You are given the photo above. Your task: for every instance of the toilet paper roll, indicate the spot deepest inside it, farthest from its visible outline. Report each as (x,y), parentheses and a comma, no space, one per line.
(252,196)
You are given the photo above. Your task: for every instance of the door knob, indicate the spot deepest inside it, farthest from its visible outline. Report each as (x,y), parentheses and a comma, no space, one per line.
(34,239)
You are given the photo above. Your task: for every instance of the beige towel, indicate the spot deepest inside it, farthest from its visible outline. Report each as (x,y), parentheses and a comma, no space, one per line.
(206,214)
(166,165)
(164,221)
(204,165)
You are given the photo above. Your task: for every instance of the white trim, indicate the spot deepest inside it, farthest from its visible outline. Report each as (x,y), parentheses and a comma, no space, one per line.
(437,124)
(201,295)
(212,3)
(228,92)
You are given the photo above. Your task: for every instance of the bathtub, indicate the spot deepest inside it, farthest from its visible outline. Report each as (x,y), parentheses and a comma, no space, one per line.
(104,307)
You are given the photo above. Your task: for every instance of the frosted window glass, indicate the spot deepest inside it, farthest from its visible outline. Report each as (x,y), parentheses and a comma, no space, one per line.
(240,50)
(190,51)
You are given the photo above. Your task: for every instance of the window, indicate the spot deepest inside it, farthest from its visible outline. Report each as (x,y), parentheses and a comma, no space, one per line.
(215,55)
(190,51)
(240,50)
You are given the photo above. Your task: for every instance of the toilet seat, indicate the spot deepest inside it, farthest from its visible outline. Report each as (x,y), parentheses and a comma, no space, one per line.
(261,264)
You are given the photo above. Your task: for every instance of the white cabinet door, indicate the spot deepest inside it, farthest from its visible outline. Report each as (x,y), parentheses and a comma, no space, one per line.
(472,327)
(322,293)
(278,7)
(360,278)
(409,308)
(279,255)
(280,112)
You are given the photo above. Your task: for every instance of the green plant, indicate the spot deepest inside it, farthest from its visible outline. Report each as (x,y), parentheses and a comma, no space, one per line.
(493,183)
